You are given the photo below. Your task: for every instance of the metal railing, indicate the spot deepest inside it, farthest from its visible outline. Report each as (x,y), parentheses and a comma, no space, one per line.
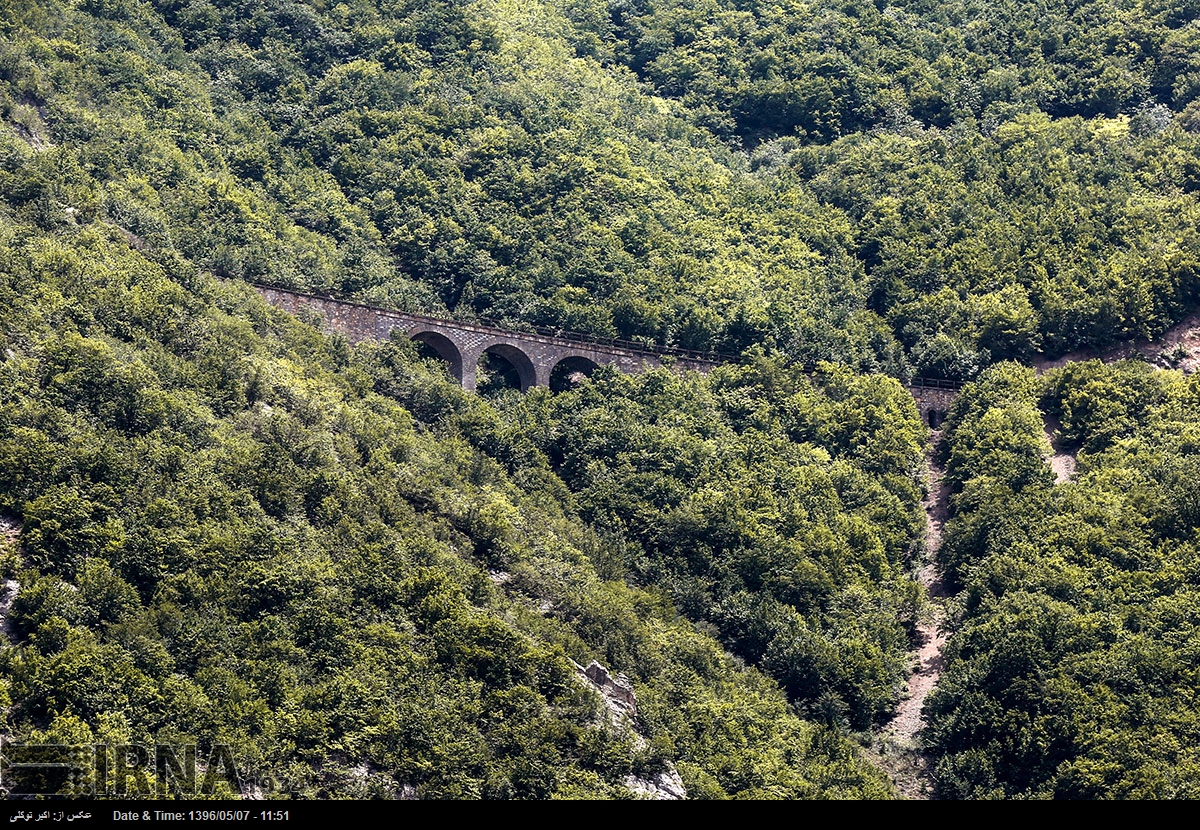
(936,383)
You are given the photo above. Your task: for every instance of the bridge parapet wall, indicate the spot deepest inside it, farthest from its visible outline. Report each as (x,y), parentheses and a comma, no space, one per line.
(356,322)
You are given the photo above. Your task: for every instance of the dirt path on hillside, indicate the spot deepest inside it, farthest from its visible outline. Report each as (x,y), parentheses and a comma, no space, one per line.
(897,749)
(1062,461)
(1178,348)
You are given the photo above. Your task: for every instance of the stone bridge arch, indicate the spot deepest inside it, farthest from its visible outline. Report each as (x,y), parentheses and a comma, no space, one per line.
(445,348)
(534,355)
(934,398)
(527,372)
(565,367)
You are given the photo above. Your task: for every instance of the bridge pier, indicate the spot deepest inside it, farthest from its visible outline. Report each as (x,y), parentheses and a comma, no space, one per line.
(534,356)
(467,377)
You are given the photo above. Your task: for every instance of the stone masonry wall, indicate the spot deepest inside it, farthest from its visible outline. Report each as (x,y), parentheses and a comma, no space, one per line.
(462,344)
(933,404)
(533,355)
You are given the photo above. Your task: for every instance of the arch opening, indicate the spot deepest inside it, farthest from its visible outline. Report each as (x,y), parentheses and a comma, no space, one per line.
(570,372)
(432,344)
(502,366)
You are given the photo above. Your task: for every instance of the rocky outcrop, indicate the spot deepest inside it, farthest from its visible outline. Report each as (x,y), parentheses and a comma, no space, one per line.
(621,703)
(617,691)
(10,534)
(8,592)
(664,786)
(10,528)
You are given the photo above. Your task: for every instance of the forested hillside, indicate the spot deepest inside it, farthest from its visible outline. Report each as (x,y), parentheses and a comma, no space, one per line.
(1072,673)
(822,69)
(368,582)
(463,157)
(230,528)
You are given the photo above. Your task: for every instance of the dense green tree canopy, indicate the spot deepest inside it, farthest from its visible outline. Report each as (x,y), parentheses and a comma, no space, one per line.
(367,582)
(481,159)
(236,530)
(1072,674)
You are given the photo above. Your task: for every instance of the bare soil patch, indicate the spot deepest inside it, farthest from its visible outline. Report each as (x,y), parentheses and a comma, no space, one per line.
(1178,348)
(897,748)
(1062,460)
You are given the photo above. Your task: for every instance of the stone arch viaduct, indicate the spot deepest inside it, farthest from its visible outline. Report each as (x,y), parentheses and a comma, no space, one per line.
(534,355)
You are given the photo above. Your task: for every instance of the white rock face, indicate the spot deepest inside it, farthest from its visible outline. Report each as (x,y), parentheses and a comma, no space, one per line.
(616,690)
(10,534)
(618,696)
(665,786)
